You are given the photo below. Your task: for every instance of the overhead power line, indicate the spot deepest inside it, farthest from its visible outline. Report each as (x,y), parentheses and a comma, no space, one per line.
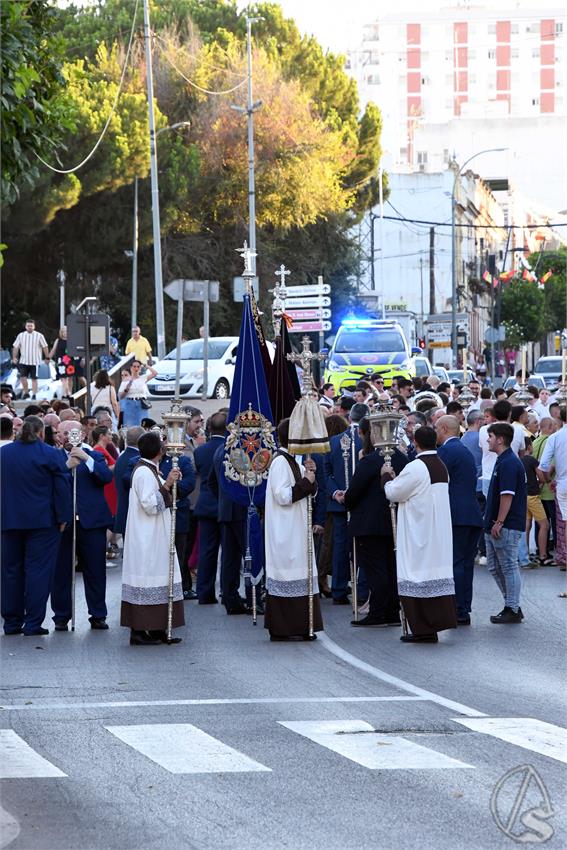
(112,111)
(479,226)
(194,84)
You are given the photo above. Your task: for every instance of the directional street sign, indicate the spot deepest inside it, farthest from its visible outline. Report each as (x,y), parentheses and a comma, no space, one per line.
(317,301)
(308,327)
(304,315)
(311,289)
(193,290)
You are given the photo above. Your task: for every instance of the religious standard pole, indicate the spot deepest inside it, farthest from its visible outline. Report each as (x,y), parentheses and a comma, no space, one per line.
(305,358)
(347,442)
(278,304)
(75,436)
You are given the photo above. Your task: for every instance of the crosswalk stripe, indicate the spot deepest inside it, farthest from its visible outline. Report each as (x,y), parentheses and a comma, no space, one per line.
(184,748)
(527,732)
(372,749)
(19,761)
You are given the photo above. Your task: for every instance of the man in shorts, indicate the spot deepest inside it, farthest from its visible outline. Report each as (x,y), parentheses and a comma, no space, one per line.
(28,350)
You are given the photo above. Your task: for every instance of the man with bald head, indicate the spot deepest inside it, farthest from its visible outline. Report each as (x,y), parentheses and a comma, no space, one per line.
(466,518)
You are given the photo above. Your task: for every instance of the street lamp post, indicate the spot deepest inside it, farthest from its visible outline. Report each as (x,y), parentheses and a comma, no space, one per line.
(454,249)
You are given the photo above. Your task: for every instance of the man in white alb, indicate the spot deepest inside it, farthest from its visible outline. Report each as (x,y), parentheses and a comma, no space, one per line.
(29,348)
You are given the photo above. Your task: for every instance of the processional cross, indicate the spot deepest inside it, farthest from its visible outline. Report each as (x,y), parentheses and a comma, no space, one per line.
(305,359)
(278,304)
(247,255)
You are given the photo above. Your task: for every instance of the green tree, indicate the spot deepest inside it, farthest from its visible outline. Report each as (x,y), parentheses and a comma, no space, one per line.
(34,108)
(523,313)
(316,162)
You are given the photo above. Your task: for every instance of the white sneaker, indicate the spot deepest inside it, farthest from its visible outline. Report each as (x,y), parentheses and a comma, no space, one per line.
(482,561)
(365,608)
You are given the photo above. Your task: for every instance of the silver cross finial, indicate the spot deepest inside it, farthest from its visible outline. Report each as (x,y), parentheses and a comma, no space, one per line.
(305,359)
(282,273)
(247,255)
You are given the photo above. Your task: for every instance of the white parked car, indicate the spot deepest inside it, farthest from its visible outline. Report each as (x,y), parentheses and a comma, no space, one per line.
(221,362)
(548,368)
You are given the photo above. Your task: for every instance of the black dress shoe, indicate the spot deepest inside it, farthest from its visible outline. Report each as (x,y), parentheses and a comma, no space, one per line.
(189,594)
(208,600)
(14,632)
(464,621)
(61,627)
(36,632)
(419,638)
(370,621)
(238,609)
(309,637)
(343,600)
(143,639)
(98,623)
(326,593)
(161,636)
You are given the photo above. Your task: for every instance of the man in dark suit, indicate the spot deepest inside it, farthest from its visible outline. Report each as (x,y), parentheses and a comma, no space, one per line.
(232,521)
(466,517)
(371,526)
(36,505)
(206,511)
(93,520)
(334,466)
(122,475)
(185,487)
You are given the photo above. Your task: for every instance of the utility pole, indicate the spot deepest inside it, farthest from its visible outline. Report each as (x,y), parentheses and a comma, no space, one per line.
(135,259)
(158,279)
(61,277)
(251,107)
(421,293)
(381,199)
(431,271)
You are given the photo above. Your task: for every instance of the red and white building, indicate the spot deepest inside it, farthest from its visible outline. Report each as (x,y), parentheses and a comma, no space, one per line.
(472,76)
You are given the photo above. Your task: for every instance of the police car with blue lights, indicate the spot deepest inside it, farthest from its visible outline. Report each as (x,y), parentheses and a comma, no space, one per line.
(363,347)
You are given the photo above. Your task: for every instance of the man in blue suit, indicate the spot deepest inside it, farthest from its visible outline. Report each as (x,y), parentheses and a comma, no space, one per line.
(36,505)
(93,520)
(334,466)
(466,517)
(232,521)
(206,511)
(122,476)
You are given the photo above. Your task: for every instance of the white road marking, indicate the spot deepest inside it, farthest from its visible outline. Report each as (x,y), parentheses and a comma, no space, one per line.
(527,732)
(183,748)
(348,658)
(19,761)
(371,749)
(9,828)
(165,702)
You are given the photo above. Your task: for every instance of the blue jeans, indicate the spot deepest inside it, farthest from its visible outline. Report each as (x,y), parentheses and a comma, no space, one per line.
(132,412)
(502,562)
(523,552)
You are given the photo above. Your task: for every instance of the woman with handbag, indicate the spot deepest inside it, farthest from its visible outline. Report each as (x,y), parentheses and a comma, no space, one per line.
(133,394)
(103,395)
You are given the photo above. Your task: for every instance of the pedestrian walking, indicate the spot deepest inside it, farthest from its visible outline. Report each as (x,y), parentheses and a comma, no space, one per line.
(505,521)
(28,351)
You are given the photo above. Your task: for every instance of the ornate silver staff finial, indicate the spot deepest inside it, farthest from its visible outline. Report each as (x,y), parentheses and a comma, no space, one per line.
(248,274)
(278,304)
(305,359)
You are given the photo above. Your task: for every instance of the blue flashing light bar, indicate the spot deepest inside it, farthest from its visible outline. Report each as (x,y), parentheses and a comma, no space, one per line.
(367,323)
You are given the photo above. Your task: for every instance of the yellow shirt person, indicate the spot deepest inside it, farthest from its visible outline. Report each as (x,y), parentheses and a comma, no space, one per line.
(140,347)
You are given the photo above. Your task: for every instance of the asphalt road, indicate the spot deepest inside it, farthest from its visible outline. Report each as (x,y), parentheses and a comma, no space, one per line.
(227,741)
